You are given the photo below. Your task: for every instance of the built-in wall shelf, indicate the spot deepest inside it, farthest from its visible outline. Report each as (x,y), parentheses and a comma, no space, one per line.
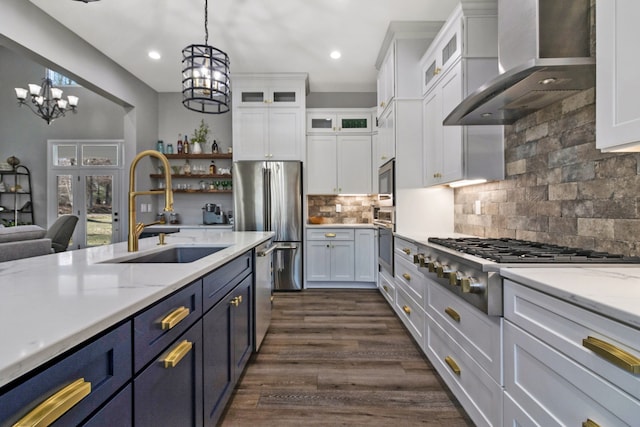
(217,176)
(194,191)
(203,156)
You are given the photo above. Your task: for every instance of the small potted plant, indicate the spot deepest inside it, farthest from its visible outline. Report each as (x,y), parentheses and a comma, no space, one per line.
(200,137)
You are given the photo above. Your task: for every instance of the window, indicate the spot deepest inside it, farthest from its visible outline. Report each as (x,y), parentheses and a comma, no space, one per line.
(60,80)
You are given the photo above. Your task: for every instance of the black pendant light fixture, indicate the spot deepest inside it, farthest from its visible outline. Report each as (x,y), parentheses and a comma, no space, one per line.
(205,76)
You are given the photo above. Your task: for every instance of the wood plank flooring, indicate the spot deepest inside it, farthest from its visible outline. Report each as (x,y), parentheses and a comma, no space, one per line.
(340,358)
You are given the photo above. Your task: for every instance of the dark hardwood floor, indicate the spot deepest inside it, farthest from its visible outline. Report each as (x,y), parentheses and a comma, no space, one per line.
(340,358)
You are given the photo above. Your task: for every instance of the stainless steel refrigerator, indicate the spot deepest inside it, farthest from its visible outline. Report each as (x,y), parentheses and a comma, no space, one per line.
(268,197)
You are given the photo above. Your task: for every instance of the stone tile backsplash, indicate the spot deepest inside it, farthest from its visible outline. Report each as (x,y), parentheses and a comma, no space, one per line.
(558,188)
(355,209)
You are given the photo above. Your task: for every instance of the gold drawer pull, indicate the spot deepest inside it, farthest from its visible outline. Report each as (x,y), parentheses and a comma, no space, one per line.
(329,234)
(57,405)
(452,313)
(613,354)
(176,355)
(590,423)
(453,365)
(386,288)
(407,276)
(175,317)
(407,251)
(239,299)
(235,302)
(406,309)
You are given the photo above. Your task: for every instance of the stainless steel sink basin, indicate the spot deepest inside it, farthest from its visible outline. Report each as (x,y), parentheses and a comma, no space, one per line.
(179,255)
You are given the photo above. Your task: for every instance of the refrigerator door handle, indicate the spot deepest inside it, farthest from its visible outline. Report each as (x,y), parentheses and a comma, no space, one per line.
(279,258)
(266,207)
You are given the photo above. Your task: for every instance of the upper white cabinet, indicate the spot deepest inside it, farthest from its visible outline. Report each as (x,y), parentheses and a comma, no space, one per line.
(268,116)
(399,96)
(338,164)
(617,69)
(321,120)
(460,59)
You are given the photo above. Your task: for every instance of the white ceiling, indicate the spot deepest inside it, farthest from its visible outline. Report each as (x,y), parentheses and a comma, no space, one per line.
(258,35)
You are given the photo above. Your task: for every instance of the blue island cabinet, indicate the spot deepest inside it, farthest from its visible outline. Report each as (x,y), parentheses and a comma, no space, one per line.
(227,346)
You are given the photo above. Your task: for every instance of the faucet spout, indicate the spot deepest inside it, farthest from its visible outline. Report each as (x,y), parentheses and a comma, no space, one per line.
(136,228)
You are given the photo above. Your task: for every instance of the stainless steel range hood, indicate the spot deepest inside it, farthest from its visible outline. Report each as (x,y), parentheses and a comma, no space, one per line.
(543,53)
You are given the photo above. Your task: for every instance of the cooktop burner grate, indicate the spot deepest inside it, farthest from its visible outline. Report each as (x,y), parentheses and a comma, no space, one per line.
(522,251)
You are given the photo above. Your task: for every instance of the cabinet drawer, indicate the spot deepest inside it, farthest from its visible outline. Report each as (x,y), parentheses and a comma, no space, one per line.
(387,288)
(478,393)
(480,335)
(565,326)
(156,327)
(104,363)
(330,234)
(405,249)
(411,280)
(118,412)
(411,315)
(555,390)
(171,394)
(218,283)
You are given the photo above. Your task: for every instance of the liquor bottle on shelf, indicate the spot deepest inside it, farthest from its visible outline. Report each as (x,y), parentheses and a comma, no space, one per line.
(212,168)
(179,143)
(185,145)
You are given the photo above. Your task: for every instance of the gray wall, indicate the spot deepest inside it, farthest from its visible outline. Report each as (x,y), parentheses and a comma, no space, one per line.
(25,135)
(27,29)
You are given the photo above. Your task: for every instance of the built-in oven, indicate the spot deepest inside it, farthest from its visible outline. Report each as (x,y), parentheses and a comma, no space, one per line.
(386,184)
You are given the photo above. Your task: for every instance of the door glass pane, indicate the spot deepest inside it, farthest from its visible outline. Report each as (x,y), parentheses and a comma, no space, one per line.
(321,123)
(252,96)
(65,155)
(353,123)
(99,218)
(64,194)
(99,155)
(284,97)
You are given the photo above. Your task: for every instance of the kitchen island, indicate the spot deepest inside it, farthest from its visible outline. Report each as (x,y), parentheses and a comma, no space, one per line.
(55,304)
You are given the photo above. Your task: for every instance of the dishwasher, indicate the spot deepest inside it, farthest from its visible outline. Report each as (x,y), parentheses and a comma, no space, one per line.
(263,290)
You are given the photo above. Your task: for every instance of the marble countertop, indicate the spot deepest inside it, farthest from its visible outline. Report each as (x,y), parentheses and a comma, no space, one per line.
(51,303)
(611,291)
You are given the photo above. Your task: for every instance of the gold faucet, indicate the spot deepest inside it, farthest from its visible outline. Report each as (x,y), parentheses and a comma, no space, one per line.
(135,229)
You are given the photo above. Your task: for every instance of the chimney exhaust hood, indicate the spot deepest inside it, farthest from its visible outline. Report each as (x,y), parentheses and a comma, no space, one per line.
(543,55)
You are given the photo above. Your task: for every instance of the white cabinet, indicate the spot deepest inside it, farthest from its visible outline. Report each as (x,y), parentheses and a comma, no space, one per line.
(338,121)
(386,80)
(340,257)
(338,164)
(617,89)
(365,255)
(460,59)
(564,365)
(268,116)
(386,137)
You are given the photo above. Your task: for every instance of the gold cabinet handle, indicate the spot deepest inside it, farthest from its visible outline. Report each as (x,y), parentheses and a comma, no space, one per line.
(407,251)
(406,309)
(437,71)
(386,288)
(590,423)
(453,365)
(176,355)
(329,234)
(235,302)
(452,313)
(407,276)
(613,354)
(239,299)
(382,103)
(175,317)
(57,405)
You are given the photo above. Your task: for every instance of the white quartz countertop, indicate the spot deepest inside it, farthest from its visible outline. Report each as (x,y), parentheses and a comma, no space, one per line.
(367,225)
(51,303)
(612,291)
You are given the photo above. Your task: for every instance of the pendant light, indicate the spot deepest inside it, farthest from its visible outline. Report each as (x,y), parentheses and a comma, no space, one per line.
(205,76)
(46,100)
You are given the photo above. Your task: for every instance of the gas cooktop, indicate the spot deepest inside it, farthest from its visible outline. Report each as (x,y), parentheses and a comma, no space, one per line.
(505,250)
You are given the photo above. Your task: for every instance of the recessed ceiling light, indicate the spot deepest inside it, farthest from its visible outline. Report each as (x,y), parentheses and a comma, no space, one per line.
(154,54)
(335,54)
(548,81)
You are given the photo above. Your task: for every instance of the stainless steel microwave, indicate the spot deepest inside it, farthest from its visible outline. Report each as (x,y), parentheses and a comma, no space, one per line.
(386,184)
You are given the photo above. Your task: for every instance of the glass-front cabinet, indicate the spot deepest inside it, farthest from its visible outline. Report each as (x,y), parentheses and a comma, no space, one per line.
(321,120)
(269,96)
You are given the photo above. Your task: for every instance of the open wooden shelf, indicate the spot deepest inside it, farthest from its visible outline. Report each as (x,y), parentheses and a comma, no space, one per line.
(216,176)
(203,156)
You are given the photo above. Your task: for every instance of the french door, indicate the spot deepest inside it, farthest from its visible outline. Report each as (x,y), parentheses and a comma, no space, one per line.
(84,180)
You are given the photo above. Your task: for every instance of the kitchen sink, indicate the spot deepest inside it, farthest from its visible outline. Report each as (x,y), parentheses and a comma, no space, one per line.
(179,255)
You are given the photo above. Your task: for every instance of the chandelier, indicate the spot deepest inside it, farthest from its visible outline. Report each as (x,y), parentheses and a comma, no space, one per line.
(46,100)
(205,76)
